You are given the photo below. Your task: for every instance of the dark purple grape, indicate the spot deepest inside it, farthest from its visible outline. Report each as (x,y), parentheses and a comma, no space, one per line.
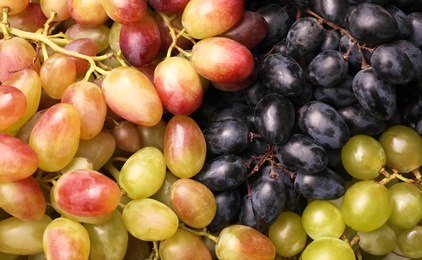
(228,205)
(415,57)
(228,136)
(255,92)
(304,97)
(304,37)
(268,197)
(232,110)
(282,74)
(375,94)
(415,20)
(403,25)
(223,172)
(278,22)
(331,40)
(371,24)
(325,185)
(391,64)
(274,118)
(292,197)
(302,153)
(354,56)
(324,124)
(332,10)
(250,30)
(247,216)
(327,68)
(339,95)
(360,121)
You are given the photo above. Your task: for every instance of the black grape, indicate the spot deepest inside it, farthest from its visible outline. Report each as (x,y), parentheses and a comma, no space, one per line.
(327,68)
(255,92)
(403,25)
(247,216)
(268,197)
(360,121)
(232,110)
(371,24)
(304,37)
(325,185)
(223,172)
(331,40)
(302,153)
(354,56)
(228,205)
(228,136)
(324,124)
(292,196)
(391,64)
(282,74)
(278,22)
(415,20)
(415,57)
(333,10)
(339,95)
(375,94)
(274,118)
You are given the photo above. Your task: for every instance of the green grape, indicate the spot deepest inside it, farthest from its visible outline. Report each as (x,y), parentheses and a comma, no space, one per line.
(407,205)
(323,218)
(409,242)
(328,248)
(184,245)
(143,173)
(150,220)
(163,193)
(402,146)
(363,157)
(287,234)
(137,249)
(153,135)
(20,237)
(380,241)
(366,206)
(108,240)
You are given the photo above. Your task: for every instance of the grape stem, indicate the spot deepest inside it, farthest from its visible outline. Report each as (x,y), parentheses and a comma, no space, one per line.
(203,233)
(394,175)
(4,23)
(109,166)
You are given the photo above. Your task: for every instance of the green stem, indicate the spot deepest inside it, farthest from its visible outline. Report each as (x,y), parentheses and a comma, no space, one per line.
(4,23)
(200,233)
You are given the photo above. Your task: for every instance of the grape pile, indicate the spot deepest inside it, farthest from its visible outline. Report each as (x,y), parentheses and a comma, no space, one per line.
(210,129)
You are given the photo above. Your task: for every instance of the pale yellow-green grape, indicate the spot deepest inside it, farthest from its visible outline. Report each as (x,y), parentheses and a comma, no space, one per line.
(323,218)
(143,173)
(66,239)
(287,234)
(78,163)
(108,240)
(163,193)
(153,135)
(378,242)
(407,205)
(149,220)
(21,237)
(328,248)
(113,36)
(409,242)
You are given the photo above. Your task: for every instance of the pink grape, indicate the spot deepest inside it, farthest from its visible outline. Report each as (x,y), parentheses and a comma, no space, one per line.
(125,12)
(12,105)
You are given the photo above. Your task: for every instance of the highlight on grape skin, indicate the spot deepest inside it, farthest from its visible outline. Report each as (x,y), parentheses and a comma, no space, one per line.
(210,129)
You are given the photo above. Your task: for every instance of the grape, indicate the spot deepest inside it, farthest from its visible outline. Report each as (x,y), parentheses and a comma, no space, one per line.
(403,23)
(178,85)
(324,124)
(99,34)
(242,242)
(127,12)
(333,10)
(407,201)
(366,206)
(327,68)
(408,241)
(163,193)
(30,19)
(12,105)
(15,6)
(402,146)
(84,46)
(282,74)
(415,21)
(379,26)
(184,245)
(247,216)
(304,37)
(60,7)
(378,242)
(363,157)
(274,118)
(127,136)
(108,240)
(278,22)
(302,153)
(217,16)
(22,237)
(143,173)
(324,185)
(184,147)
(414,54)
(66,239)
(153,135)
(221,59)
(193,202)
(287,234)
(23,199)
(227,136)
(331,40)
(224,172)
(328,248)
(19,53)
(149,220)
(87,13)
(375,94)
(168,6)
(337,96)
(140,42)
(228,205)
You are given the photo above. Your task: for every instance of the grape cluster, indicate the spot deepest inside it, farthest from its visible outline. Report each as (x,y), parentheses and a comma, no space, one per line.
(210,129)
